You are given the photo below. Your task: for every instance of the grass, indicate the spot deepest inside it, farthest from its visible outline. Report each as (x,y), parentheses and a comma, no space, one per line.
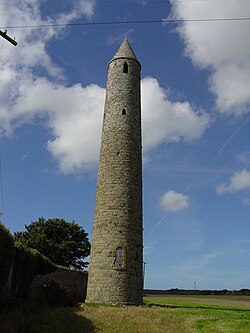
(237,302)
(161,314)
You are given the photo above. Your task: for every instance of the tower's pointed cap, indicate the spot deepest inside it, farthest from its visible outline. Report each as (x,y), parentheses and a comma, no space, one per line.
(125,51)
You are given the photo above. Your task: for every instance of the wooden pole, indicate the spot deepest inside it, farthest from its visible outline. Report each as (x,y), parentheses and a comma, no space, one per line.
(9,39)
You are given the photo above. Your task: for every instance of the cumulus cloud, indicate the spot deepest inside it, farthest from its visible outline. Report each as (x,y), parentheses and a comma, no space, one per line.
(19,65)
(173,201)
(25,96)
(222,47)
(166,121)
(74,113)
(76,124)
(33,52)
(238,182)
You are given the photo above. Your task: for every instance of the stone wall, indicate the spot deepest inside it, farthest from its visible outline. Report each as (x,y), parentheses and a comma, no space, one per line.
(73,280)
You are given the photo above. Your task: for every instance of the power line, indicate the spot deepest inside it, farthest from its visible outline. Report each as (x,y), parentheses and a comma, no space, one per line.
(164,21)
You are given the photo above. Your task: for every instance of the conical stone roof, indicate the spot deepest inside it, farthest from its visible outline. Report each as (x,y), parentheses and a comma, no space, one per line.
(125,51)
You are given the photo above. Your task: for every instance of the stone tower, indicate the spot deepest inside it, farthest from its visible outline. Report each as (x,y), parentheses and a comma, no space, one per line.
(115,274)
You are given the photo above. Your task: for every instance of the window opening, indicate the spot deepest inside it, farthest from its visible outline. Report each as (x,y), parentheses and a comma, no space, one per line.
(118,258)
(124,111)
(125,67)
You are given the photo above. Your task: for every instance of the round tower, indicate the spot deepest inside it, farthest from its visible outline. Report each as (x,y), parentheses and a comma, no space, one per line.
(115,274)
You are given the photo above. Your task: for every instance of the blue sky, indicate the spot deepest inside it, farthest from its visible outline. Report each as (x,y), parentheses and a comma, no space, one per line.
(195,106)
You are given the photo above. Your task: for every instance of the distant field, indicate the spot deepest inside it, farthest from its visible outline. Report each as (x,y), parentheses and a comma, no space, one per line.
(237,302)
(161,314)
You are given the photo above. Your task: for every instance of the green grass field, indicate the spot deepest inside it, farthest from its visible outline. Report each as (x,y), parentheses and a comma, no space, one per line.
(161,314)
(236,302)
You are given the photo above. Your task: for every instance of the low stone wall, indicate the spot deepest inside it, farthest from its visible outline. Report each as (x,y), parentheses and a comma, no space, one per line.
(73,280)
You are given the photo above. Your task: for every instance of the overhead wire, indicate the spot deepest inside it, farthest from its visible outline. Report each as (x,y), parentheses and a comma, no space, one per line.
(164,21)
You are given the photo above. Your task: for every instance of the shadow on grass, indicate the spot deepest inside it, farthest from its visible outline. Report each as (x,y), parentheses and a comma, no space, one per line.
(45,320)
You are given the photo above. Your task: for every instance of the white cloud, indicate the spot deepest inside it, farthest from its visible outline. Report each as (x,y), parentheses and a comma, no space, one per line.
(79,8)
(222,47)
(238,182)
(172,201)
(74,114)
(166,121)
(77,131)
(25,96)
(31,51)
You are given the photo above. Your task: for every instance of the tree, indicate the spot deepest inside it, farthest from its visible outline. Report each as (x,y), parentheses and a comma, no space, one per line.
(64,243)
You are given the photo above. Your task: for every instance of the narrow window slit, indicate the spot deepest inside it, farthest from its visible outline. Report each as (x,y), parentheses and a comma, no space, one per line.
(125,67)
(118,153)
(124,111)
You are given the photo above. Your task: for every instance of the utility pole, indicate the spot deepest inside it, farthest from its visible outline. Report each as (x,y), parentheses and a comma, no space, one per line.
(9,39)
(144,271)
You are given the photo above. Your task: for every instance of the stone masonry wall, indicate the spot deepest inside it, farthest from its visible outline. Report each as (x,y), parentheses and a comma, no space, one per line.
(73,280)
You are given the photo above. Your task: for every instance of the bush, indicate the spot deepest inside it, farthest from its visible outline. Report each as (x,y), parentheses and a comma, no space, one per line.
(27,264)
(6,257)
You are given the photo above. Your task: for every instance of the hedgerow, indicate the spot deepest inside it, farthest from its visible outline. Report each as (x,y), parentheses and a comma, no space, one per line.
(26,265)
(20,265)
(6,256)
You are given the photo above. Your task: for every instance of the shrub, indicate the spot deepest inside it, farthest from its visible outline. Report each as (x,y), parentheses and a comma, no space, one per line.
(6,257)
(27,264)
